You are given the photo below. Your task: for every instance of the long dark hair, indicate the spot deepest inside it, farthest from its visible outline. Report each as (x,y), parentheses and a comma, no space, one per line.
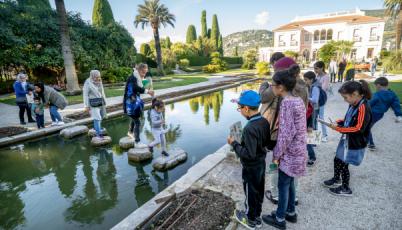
(157,103)
(361,86)
(41,94)
(321,65)
(285,78)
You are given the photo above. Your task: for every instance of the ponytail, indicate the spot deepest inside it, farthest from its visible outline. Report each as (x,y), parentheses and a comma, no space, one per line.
(360,86)
(157,103)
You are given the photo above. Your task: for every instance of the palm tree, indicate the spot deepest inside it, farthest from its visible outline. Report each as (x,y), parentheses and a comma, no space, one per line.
(394,9)
(71,75)
(155,14)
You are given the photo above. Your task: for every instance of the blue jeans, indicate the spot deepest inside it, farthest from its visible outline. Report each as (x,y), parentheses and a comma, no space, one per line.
(54,114)
(314,119)
(311,152)
(97,127)
(374,118)
(40,120)
(287,196)
(321,115)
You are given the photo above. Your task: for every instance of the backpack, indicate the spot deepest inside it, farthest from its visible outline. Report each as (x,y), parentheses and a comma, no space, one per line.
(323,97)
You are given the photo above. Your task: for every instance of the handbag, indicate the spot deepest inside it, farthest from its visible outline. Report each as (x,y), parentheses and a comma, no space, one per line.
(350,156)
(21,100)
(134,107)
(96,102)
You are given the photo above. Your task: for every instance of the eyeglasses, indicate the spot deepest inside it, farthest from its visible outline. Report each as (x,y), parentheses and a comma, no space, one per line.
(240,108)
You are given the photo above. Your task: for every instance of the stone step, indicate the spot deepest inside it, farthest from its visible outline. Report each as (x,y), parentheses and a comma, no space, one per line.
(176,156)
(96,141)
(74,131)
(92,132)
(126,143)
(139,154)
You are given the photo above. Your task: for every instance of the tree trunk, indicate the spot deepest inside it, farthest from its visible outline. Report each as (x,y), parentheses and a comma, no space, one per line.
(71,76)
(158,50)
(398,30)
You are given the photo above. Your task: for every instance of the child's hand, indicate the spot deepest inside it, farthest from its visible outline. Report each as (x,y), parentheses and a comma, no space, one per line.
(87,109)
(333,126)
(230,140)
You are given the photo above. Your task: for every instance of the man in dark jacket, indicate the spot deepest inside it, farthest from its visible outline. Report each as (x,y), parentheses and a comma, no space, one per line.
(252,152)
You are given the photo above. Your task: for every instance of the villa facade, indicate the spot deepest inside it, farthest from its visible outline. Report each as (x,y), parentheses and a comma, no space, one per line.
(306,35)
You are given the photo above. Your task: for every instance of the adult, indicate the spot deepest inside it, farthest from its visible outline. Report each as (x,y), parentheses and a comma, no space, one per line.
(21,87)
(373,66)
(323,79)
(341,69)
(134,88)
(95,100)
(52,99)
(333,69)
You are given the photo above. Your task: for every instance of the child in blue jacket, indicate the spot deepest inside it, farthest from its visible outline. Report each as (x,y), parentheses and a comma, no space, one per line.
(382,100)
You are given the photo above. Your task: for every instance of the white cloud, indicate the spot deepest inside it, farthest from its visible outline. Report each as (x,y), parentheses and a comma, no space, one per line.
(262,18)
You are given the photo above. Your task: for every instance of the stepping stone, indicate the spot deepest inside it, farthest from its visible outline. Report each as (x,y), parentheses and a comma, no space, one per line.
(92,132)
(96,141)
(74,131)
(176,156)
(139,154)
(126,142)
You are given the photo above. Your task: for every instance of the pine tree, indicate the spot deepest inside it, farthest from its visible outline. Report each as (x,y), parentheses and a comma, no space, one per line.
(204,29)
(145,49)
(102,14)
(215,30)
(220,45)
(191,34)
(168,43)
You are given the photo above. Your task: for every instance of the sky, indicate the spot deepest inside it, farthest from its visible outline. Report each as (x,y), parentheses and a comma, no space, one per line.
(233,15)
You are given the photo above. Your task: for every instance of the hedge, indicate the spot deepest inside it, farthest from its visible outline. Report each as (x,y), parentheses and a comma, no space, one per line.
(233,60)
(199,60)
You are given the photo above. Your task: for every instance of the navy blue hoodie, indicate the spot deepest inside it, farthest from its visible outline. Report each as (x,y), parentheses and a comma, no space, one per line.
(382,100)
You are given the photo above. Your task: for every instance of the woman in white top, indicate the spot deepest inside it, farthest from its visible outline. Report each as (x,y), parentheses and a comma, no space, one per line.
(323,78)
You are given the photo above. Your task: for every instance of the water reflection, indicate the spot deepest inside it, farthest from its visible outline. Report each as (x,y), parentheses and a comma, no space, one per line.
(11,206)
(210,101)
(142,190)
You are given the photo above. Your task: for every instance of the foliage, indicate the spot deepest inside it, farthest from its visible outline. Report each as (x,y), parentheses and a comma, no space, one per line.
(204,46)
(394,61)
(102,14)
(236,51)
(169,58)
(198,60)
(327,52)
(384,54)
(292,54)
(183,50)
(167,43)
(394,9)
(249,59)
(191,34)
(215,31)
(145,49)
(233,60)
(184,63)
(220,45)
(204,29)
(217,64)
(41,4)
(114,75)
(262,68)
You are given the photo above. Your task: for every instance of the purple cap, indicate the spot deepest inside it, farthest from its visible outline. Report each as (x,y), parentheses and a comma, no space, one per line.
(284,63)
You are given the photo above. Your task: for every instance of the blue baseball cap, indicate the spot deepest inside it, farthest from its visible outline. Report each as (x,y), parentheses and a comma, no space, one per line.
(249,98)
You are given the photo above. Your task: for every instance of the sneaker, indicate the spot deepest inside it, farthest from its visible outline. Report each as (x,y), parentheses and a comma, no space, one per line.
(324,139)
(258,222)
(59,123)
(23,123)
(372,147)
(332,183)
(130,135)
(271,220)
(54,123)
(310,163)
(140,145)
(165,153)
(242,218)
(290,218)
(151,149)
(341,191)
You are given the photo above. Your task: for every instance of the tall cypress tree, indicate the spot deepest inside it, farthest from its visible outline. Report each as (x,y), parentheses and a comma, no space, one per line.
(209,33)
(220,45)
(215,30)
(191,34)
(236,51)
(102,14)
(168,43)
(145,49)
(204,29)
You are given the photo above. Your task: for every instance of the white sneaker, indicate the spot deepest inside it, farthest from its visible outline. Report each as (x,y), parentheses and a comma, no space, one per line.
(130,135)
(59,123)
(140,145)
(54,123)
(324,139)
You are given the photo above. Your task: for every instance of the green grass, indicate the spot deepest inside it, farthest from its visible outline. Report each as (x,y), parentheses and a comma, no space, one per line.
(238,71)
(396,86)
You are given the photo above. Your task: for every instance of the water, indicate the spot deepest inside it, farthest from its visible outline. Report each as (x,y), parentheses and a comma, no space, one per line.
(69,184)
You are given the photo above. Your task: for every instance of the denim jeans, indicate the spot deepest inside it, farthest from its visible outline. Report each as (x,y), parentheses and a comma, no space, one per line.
(135,127)
(340,76)
(374,118)
(97,127)
(314,119)
(40,120)
(311,152)
(321,115)
(54,114)
(287,196)
(274,183)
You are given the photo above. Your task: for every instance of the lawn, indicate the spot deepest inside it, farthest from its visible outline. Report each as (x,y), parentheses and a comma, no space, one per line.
(396,86)
(176,80)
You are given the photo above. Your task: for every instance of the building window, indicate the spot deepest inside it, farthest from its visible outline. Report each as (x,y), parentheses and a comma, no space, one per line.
(293,41)
(323,35)
(356,35)
(329,34)
(281,42)
(353,54)
(306,37)
(373,34)
(340,34)
(316,35)
(370,52)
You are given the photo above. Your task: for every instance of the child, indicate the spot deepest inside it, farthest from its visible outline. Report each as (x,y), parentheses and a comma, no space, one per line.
(313,84)
(252,153)
(157,122)
(290,151)
(37,109)
(355,129)
(30,101)
(380,103)
(322,77)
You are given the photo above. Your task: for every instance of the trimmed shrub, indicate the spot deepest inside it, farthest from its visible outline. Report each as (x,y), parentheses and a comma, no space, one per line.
(198,60)
(6,86)
(119,74)
(211,68)
(184,63)
(233,60)
(262,68)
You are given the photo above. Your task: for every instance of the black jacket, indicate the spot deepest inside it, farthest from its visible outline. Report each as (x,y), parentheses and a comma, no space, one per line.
(255,140)
(132,89)
(359,128)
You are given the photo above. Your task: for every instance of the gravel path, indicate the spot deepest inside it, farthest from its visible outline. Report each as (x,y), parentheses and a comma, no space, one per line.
(376,183)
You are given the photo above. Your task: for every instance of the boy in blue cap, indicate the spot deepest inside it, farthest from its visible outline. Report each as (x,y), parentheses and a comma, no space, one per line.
(252,152)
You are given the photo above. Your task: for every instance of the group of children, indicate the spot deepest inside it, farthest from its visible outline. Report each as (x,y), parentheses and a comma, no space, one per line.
(290,149)
(36,106)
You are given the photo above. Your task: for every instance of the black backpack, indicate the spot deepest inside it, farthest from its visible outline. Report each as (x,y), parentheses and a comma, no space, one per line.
(323,97)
